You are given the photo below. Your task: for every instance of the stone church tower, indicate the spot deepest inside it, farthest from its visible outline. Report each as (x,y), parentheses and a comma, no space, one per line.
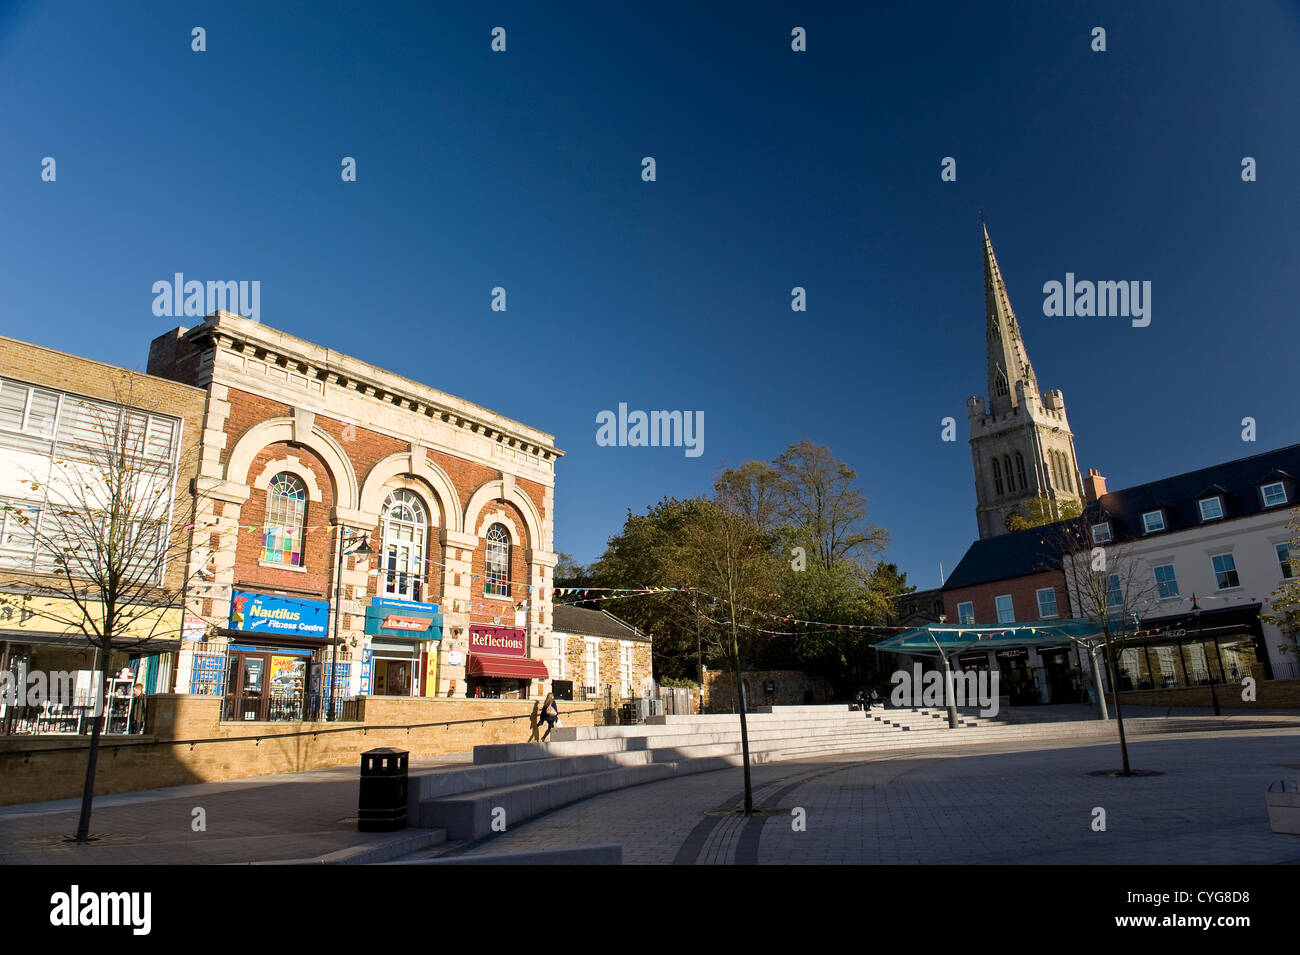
(1021,442)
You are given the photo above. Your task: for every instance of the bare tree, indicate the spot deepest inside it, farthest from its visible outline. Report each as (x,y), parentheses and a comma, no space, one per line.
(1111,587)
(111,560)
(732,559)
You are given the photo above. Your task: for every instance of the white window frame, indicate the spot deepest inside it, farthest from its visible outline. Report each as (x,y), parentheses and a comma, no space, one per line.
(1056,610)
(1011,607)
(1285,563)
(1200,507)
(1173,579)
(1117,589)
(966,616)
(591,665)
(625,668)
(1232,570)
(1099,538)
(1148,527)
(401,561)
(1263,494)
(558,668)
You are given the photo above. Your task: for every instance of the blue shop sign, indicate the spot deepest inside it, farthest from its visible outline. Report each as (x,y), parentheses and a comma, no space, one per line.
(286,616)
(409,619)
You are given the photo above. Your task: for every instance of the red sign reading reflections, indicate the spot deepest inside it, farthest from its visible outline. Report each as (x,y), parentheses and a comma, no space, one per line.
(414,624)
(498,640)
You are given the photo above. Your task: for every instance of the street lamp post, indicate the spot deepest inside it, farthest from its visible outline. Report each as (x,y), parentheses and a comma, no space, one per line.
(361,551)
(1196,615)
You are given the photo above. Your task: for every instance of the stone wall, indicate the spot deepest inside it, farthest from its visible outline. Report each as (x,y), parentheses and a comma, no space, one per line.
(789,688)
(1269,694)
(235,750)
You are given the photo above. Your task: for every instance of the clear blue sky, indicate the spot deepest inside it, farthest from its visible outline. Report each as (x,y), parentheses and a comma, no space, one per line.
(775,169)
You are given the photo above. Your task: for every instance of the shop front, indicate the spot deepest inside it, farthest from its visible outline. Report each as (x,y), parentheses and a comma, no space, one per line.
(51,673)
(499,666)
(277,650)
(404,637)
(1222,646)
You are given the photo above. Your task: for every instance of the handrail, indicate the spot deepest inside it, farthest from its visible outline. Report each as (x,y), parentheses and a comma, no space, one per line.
(360,727)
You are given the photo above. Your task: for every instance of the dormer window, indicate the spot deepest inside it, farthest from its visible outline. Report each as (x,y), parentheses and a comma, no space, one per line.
(1273,494)
(1211,508)
(1153,521)
(1101,533)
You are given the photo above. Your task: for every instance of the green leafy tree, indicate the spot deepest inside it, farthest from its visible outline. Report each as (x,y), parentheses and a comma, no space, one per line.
(1039,511)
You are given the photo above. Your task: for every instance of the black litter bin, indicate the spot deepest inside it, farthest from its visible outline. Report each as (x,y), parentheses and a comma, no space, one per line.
(382,804)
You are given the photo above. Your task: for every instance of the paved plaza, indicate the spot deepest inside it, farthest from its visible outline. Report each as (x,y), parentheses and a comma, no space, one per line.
(973,805)
(1011,803)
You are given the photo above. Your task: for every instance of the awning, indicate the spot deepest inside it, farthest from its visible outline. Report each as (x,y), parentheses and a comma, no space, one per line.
(494,664)
(937,639)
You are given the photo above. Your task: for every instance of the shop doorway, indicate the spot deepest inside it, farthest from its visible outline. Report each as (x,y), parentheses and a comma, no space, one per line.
(394,677)
(267,685)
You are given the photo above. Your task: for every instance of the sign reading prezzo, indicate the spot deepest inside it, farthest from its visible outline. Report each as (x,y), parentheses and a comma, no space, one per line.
(499,640)
(282,615)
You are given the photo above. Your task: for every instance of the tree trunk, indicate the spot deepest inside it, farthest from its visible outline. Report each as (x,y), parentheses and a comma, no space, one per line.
(1119,715)
(88,790)
(744,731)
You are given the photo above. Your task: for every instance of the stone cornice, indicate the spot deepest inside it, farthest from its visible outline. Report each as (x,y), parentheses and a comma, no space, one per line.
(240,335)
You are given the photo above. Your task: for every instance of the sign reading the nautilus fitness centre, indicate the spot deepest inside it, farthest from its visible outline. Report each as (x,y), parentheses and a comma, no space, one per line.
(283,615)
(499,640)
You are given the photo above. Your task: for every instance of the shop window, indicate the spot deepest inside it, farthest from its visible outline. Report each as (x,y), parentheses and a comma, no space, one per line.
(286,509)
(497,562)
(405,524)
(1225,571)
(1166,582)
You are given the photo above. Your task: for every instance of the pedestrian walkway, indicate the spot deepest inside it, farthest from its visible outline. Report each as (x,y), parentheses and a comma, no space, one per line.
(307,816)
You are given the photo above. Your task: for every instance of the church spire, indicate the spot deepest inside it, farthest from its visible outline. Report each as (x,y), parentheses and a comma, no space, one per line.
(1008,362)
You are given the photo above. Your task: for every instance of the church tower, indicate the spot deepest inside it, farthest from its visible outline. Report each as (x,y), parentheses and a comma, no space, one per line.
(1021,441)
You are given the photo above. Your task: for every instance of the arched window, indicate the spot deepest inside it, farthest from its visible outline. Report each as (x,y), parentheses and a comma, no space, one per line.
(497,562)
(404,526)
(1054,464)
(1006,467)
(1020,471)
(286,511)
(997,476)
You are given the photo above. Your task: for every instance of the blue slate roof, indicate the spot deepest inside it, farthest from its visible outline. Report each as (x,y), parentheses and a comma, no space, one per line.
(1236,482)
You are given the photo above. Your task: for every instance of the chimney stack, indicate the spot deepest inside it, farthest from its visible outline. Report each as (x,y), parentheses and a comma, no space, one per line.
(1094,485)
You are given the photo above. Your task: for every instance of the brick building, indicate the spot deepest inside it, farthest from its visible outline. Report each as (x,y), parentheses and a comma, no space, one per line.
(1016,578)
(439,513)
(592,650)
(59,416)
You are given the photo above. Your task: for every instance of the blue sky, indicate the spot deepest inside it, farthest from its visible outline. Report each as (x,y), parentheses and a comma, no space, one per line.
(775,169)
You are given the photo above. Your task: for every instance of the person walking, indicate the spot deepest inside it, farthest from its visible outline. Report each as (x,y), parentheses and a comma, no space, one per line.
(550,715)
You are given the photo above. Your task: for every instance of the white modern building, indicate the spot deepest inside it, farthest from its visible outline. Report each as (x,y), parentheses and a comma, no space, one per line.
(1214,539)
